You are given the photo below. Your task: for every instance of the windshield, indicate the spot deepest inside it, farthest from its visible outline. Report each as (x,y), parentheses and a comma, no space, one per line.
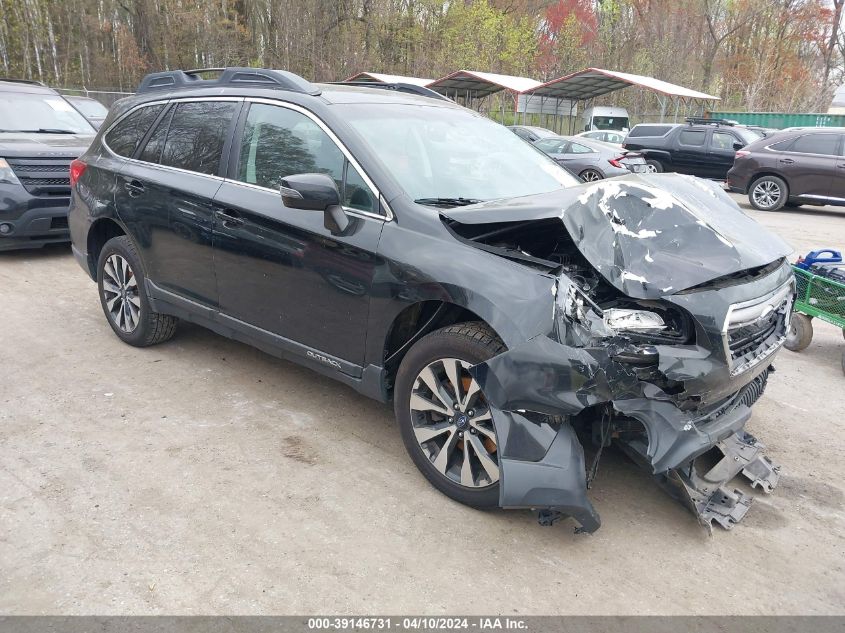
(90,108)
(45,113)
(454,154)
(749,136)
(610,123)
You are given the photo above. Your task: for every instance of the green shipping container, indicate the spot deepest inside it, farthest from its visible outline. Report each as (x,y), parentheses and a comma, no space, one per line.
(780,120)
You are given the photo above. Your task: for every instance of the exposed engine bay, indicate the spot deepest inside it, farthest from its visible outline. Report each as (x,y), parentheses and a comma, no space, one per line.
(668,310)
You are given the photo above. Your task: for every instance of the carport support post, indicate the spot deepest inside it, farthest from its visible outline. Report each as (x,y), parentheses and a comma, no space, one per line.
(662,101)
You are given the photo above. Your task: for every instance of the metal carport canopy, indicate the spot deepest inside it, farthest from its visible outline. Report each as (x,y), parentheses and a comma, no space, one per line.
(390,79)
(480,84)
(594,82)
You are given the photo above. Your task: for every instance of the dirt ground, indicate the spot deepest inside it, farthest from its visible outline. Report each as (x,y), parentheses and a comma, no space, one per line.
(204,477)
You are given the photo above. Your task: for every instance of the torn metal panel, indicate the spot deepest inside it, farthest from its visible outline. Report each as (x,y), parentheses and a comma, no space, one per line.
(648,235)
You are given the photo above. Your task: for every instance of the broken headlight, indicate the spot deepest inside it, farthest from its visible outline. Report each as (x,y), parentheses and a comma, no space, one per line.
(639,321)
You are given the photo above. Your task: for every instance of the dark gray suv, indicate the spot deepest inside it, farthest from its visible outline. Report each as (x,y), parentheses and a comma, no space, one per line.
(790,168)
(40,134)
(422,254)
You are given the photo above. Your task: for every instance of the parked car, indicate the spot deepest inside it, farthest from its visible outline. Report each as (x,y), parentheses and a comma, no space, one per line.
(790,168)
(591,160)
(699,149)
(90,108)
(531,133)
(606,136)
(40,134)
(428,256)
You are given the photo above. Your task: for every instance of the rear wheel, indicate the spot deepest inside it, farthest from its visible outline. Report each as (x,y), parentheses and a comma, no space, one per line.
(768,193)
(590,175)
(444,418)
(123,296)
(800,332)
(654,166)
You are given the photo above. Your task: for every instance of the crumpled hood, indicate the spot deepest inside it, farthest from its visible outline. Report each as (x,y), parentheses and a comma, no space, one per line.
(14,145)
(649,235)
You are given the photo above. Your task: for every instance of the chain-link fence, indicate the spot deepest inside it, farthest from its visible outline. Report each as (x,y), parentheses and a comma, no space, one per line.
(106,97)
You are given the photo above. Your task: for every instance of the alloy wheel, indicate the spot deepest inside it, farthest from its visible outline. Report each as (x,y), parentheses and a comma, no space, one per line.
(120,290)
(766,194)
(651,169)
(591,176)
(453,424)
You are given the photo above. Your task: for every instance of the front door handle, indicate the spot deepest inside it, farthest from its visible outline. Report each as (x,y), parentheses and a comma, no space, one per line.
(786,161)
(230,219)
(134,188)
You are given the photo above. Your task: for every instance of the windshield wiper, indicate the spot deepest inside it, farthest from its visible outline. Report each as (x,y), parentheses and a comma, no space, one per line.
(447,202)
(42,130)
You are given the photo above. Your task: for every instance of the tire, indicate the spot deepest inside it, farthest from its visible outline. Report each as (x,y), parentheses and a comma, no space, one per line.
(654,166)
(123,296)
(800,332)
(768,193)
(591,175)
(470,343)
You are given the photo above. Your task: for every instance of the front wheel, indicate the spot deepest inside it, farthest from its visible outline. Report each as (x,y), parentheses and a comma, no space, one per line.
(800,332)
(768,193)
(123,296)
(444,418)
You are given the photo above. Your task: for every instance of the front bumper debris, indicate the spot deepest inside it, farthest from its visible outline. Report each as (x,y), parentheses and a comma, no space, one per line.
(709,495)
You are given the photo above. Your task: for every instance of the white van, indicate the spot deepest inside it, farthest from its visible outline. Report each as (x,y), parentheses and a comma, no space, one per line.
(605,118)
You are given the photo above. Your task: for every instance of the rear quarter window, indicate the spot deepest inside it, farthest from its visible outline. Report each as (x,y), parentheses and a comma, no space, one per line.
(124,137)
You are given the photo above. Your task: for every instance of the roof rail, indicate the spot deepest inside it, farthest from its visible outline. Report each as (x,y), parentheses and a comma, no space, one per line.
(235,76)
(700,120)
(23,81)
(397,86)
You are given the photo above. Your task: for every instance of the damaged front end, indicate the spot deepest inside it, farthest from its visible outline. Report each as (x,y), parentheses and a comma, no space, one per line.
(667,312)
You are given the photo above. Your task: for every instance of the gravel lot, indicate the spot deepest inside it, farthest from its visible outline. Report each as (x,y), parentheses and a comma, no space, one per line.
(204,477)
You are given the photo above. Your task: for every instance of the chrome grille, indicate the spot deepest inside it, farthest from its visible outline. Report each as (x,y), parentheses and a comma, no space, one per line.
(756,329)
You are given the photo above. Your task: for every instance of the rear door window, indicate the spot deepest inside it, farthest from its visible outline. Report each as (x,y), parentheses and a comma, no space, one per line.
(196,135)
(827,144)
(124,137)
(692,137)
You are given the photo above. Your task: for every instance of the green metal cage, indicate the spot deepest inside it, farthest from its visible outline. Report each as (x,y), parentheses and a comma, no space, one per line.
(820,297)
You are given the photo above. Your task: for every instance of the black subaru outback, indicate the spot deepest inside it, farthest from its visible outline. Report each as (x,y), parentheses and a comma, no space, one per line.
(421,253)
(40,134)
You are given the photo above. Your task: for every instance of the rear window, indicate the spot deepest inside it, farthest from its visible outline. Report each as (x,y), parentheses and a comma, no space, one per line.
(124,137)
(650,130)
(692,137)
(196,135)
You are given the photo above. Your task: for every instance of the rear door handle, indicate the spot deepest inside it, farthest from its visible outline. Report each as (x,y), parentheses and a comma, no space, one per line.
(134,188)
(786,161)
(230,219)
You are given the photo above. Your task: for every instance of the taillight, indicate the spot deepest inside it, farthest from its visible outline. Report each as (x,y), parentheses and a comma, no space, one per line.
(77,168)
(615,162)
(742,153)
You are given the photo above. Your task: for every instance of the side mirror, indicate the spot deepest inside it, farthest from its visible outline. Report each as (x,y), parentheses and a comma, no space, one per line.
(316,192)
(311,192)
(738,145)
